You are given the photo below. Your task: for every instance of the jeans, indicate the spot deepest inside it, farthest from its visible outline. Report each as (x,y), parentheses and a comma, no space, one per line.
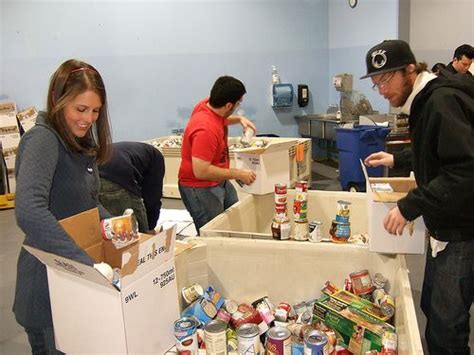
(205,203)
(42,341)
(447,297)
(116,199)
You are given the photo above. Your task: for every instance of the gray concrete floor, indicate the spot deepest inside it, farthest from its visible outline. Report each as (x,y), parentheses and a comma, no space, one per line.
(13,340)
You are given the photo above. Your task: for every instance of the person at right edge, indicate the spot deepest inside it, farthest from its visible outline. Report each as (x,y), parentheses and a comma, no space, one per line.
(462,60)
(441,126)
(204,173)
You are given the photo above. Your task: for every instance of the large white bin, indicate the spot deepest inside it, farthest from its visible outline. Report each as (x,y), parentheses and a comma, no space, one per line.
(247,269)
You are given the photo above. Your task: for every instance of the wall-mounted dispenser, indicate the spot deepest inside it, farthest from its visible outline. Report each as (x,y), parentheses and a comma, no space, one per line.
(303,95)
(282,95)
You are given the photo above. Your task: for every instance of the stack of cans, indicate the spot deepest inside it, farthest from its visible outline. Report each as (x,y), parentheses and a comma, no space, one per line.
(300,211)
(281,223)
(341,227)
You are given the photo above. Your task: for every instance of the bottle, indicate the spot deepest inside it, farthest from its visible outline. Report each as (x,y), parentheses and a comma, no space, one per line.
(275,75)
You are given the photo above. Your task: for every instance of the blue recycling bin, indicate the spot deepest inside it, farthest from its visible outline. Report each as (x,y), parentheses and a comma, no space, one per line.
(355,144)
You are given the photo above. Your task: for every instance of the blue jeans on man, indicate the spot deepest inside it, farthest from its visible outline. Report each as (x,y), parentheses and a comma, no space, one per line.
(448,292)
(205,203)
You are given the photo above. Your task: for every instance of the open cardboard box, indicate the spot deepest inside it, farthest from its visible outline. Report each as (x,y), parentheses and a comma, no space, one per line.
(92,316)
(291,271)
(271,164)
(412,241)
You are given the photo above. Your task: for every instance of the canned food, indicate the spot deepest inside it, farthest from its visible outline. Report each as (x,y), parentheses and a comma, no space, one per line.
(281,230)
(248,340)
(281,214)
(299,330)
(245,314)
(231,340)
(329,288)
(280,194)
(282,312)
(379,280)
(387,305)
(343,211)
(315,343)
(362,283)
(264,307)
(389,343)
(192,293)
(301,187)
(247,136)
(186,335)
(340,231)
(300,308)
(300,231)
(348,284)
(297,346)
(113,227)
(377,295)
(315,231)
(223,315)
(278,341)
(231,306)
(300,210)
(215,337)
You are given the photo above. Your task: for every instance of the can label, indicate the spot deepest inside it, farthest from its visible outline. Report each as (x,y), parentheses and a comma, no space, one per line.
(301,186)
(300,210)
(343,211)
(215,338)
(301,230)
(281,230)
(340,231)
(192,293)
(281,214)
(278,341)
(387,305)
(315,229)
(280,194)
(316,343)
(186,335)
(362,283)
(248,340)
(113,227)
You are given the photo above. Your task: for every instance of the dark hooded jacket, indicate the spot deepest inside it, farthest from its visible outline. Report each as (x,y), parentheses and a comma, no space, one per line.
(442,133)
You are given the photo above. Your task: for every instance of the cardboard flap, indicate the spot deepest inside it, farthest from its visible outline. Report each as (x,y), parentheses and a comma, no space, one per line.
(400,185)
(270,147)
(84,228)
(151,252)
(69,266)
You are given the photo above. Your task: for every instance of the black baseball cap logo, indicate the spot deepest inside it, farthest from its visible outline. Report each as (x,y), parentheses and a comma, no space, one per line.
(379,59)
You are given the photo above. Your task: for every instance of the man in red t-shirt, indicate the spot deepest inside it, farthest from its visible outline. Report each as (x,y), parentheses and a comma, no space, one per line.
(204,171)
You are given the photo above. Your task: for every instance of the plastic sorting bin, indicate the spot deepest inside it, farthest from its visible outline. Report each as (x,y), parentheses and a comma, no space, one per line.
(355,144)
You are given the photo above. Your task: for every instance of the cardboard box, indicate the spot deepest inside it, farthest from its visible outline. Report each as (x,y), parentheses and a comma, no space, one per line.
(8,122)
(358,332)
(412,241)
(268,163)
(11,181)
(247,269)
(27,118)
(298,170)
(10,144)
(90,315)
(252,216)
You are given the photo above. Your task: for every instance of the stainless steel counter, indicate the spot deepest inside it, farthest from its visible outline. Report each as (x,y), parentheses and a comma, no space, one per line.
(321,126)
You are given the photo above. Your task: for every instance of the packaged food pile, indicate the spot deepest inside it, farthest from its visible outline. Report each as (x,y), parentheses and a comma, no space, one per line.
(354,319)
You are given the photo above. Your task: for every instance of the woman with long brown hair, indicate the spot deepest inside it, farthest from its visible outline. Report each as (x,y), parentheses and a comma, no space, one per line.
(57,177)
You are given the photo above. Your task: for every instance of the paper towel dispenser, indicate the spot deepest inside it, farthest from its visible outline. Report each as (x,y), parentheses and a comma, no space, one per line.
(282,95)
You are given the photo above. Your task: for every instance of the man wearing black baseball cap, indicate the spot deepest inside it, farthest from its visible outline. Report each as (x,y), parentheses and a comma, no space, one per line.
(441,123)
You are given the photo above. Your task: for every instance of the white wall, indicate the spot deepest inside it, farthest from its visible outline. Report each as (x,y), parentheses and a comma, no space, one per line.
(438,27)
(352,32)
(159,57)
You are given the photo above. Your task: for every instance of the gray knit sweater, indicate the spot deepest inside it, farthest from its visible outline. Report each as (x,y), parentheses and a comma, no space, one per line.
(52,183)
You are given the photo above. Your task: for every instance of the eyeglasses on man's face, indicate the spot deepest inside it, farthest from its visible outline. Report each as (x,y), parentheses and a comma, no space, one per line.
(384,82)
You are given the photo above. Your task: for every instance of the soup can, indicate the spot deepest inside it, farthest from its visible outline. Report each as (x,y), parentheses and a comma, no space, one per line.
(185,333)
(316,343)
(215,337)
(192,293)
(278,341)
(315,229)
(248,340)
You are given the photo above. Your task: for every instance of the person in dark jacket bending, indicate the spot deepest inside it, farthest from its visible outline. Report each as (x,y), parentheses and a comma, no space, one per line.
(57,177)
(441,125)
(462,60)
(133,178)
